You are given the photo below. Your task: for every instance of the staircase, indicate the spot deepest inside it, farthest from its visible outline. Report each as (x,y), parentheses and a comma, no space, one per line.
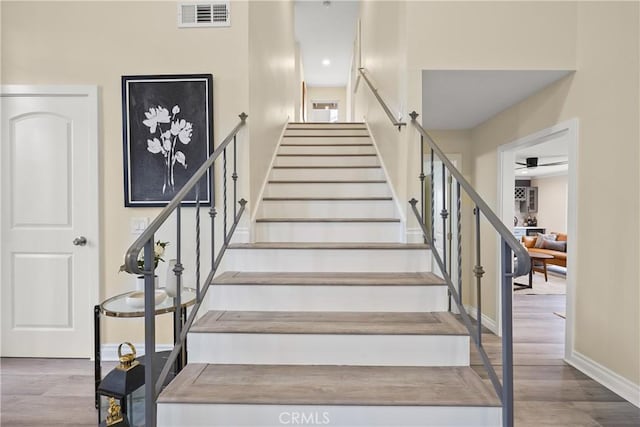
(328,319)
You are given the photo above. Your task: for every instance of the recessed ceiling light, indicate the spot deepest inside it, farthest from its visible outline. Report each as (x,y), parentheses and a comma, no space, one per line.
(326,62)
(524,172)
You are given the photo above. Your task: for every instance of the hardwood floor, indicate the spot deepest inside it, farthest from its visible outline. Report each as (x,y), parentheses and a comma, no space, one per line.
(548,392)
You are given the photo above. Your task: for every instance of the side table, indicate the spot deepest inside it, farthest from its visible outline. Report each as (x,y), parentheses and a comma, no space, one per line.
(117,306)
(534,256)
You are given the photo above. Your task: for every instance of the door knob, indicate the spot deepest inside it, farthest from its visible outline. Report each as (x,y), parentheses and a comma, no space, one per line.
(80,241)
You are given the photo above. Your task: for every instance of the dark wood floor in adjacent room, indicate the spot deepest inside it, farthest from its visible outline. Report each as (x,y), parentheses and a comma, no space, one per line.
(548,392)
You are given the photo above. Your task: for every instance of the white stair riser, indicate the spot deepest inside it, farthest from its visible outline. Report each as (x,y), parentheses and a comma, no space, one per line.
(341,140)
(325,132)
(225,415)
(327,174)
(325,126)
(328,209)
(328,190)
(328,232)
(327,260)
(346,149)
(329,349)
(327,161)
(328,298)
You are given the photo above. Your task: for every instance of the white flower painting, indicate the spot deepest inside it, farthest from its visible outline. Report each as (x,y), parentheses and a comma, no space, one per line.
(168,133)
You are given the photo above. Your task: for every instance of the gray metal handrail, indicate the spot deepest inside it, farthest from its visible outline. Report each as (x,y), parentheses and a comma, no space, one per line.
(177,357)
(519,250)
(383,104)
(508,246)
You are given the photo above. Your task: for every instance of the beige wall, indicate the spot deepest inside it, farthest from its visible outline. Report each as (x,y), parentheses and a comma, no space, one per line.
(600,40)
(603,95)
(77,48)
(272,83)
(383,35)
(552,202)
(318,93)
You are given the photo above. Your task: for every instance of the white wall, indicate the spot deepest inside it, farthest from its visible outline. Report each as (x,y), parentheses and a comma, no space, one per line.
(552,202)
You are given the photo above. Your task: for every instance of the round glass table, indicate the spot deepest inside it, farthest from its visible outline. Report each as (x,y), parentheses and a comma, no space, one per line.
(119,305)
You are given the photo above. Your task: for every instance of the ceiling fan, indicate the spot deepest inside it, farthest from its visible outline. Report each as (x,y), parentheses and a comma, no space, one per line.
(532,162)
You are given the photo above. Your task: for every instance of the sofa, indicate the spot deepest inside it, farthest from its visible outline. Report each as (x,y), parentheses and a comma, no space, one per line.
(559,257)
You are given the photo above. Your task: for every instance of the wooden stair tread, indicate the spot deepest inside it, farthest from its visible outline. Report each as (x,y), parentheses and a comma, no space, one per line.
(325,136)
(328,245)
(329,385)
(326,145)
(325,199)
(329,220)
(327,181)
(329,167)
(328,279)
(314,322)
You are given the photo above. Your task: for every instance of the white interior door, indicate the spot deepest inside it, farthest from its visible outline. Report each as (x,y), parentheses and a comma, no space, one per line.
(49,199)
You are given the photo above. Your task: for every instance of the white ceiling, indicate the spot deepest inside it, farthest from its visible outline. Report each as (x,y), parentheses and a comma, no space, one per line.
(462,99)
(554,150)
(326,32)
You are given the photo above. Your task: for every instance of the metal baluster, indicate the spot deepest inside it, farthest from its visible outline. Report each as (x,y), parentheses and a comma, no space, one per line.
(224,192)
(479,272)
(507,335)
(443,215)
(422,176)
(198,241)
(459,227)
(234,176)
(212,214)
(450,224)
(433,203)
(149,333)
(177,270)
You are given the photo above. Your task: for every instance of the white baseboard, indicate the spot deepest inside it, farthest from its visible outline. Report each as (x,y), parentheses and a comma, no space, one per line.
(414,235)
(241,235)
(487,322)
(605,376)
(109,352)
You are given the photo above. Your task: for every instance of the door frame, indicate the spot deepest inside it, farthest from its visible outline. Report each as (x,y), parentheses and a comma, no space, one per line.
(90,92)
(506,183)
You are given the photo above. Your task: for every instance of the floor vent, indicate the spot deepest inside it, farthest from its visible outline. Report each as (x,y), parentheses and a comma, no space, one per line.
(204,14)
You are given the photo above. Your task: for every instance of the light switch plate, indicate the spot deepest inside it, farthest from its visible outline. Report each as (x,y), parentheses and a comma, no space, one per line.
(139,224)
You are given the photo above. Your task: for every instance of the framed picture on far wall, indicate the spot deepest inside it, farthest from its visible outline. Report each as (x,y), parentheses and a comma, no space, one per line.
(167,129)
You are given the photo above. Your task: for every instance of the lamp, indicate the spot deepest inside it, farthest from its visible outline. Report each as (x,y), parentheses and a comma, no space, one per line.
(120,384)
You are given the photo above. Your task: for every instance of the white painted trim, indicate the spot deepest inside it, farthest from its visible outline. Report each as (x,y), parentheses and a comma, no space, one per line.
(505,172)
(487,322)
(109,351)
(241,235)
(328,349)
(243,415)
(93,202)
(256,203)
(403,218)
(613,381)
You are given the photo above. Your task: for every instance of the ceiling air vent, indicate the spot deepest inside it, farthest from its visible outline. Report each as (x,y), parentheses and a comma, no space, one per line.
(204,14)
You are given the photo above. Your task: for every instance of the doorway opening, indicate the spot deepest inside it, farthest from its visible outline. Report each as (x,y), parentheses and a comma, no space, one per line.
(324,111)
(537,198)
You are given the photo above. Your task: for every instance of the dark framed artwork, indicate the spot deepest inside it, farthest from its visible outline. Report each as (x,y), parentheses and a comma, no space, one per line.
(167,128)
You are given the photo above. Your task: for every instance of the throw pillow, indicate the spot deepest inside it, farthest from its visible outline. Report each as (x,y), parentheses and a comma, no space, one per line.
(542,237)
(559,246)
